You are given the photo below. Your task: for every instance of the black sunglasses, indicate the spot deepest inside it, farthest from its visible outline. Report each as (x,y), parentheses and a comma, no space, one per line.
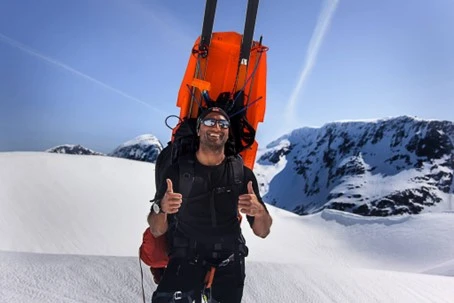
(210,122)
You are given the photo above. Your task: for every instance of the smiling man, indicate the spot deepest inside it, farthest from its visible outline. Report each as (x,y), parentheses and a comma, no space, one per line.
(207,248)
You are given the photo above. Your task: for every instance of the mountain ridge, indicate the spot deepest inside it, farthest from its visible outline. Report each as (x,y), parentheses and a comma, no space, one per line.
(142,148)
(328,167)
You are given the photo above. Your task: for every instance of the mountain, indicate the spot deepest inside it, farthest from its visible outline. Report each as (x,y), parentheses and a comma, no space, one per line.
(73,150)
(373,168)
(143,148)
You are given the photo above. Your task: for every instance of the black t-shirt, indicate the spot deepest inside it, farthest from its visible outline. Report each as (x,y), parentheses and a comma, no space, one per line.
(211,207)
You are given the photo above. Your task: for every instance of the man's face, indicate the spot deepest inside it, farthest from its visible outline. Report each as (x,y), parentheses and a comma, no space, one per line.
(215,136)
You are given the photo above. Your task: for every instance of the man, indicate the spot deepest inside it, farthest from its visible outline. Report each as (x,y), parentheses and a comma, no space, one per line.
(203,227)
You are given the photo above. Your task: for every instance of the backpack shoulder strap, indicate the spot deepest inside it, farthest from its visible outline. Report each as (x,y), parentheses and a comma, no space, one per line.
(186,172)
(237,166)
(162,162)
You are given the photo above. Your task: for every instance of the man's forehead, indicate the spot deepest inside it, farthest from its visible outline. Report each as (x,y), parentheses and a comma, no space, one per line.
(215,115)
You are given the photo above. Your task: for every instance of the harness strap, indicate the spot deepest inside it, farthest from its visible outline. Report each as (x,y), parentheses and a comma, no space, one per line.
(186,180)
(209,277)
(185,248)
(177,297)
(235,258)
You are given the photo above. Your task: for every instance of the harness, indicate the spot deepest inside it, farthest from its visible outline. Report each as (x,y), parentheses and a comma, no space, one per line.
(209,252)
(215,244)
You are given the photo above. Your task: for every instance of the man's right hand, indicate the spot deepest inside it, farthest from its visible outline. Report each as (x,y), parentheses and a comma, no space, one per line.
(171,202)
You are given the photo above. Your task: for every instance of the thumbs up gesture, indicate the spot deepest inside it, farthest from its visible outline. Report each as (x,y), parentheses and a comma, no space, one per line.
(171,202)
(248,203)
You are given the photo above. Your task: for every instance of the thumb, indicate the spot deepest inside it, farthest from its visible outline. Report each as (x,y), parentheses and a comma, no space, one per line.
(169,186)
(250,189)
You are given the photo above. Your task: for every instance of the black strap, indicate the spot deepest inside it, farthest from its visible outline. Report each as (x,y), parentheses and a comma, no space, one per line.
(186,167)
(237,166)
(186,179)
(214,221)
(176,297)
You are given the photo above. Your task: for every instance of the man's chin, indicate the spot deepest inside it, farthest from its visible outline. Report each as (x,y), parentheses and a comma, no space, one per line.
(215,144)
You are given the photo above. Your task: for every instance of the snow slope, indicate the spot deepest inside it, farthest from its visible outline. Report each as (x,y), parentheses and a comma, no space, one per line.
(70,227)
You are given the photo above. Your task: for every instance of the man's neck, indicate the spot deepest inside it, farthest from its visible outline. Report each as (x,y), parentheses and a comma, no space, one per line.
(209,157)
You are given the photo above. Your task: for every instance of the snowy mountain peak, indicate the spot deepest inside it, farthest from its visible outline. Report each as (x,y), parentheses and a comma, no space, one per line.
(73,149)
(142,140)
(378,167)
(143,148)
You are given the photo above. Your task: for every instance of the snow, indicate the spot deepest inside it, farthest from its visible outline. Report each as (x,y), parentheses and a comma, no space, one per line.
(356,165)
(375,186)
(377,120)
(70,228)
(58,203)
(62,146)
(143,140)
(73,149)
(264,173)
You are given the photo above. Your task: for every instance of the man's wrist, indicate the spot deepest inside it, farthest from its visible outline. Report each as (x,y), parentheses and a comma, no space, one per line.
(156,207)
(262,212)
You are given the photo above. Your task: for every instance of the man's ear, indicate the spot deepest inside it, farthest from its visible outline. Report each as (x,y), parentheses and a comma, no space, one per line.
(197,128)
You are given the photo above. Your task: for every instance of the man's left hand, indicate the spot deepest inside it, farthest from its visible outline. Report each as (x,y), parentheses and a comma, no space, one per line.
(248,203)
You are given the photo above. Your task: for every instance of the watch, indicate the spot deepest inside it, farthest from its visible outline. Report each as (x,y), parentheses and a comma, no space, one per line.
(156,208)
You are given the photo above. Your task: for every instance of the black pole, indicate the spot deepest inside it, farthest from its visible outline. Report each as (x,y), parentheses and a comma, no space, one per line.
(249,27)
(208,22)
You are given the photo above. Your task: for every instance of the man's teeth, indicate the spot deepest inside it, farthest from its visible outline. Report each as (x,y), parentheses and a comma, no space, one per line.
(214,135)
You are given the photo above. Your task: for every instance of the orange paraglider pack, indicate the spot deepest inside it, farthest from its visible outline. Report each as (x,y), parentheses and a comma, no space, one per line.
(219,69)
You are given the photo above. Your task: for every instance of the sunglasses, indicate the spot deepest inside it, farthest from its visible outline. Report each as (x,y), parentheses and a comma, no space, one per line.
(210,122)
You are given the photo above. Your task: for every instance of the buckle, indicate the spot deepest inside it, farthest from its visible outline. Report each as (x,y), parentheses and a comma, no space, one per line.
(178,295)
(227,261)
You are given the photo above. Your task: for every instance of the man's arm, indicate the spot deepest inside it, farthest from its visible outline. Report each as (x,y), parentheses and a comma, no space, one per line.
(158,223)
(250,205)
(262,223)
(170,204)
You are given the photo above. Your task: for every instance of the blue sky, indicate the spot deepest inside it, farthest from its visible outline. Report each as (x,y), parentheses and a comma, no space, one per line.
(98,72)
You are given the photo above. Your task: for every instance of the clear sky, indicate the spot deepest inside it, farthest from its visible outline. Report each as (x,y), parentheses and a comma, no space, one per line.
(99,72)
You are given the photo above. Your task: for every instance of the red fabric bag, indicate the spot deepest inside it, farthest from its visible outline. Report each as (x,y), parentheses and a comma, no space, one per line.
(153,251)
